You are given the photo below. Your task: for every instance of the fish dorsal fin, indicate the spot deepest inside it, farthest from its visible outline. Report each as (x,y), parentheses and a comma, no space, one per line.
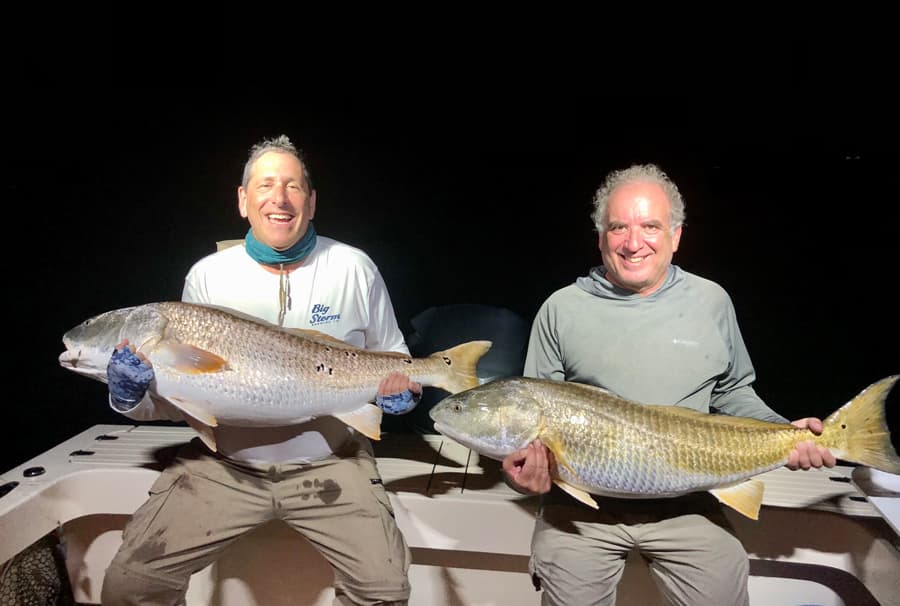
(319,337)
(366,420)
(719,419)
(579,494)
(684,411)
(330,341)
(187,359)
(745,498)
(594,389)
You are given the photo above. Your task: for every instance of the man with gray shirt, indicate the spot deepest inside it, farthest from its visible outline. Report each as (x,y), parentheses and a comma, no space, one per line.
(650,332)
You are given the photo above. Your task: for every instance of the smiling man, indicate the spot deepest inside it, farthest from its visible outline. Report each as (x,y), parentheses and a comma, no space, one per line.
(319,477)
(638,244)
(651,332)
(277,199)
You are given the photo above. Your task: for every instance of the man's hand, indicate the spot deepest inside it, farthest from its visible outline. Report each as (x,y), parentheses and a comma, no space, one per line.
(528,469)
(807,455)
(397,394)
(129,376)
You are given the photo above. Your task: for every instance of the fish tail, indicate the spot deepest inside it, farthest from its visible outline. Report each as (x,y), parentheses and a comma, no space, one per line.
(858,430)
(461,363)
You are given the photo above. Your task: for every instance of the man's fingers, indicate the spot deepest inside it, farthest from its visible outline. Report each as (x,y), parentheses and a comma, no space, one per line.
(828,458)
(513,462)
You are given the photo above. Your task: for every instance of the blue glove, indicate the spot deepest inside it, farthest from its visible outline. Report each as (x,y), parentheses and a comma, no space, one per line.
(398,403)
(129,377)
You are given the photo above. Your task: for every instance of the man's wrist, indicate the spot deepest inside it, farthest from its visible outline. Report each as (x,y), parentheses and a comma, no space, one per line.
(123,405)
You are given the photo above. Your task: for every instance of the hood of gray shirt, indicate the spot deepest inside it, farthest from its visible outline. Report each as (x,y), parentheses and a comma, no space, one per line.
(597,284)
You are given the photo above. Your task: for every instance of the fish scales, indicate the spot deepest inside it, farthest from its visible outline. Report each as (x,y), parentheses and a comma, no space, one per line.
(631,448)
(217,366)
(282,367)
(607,445)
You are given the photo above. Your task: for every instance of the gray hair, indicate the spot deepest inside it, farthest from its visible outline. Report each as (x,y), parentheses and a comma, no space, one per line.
(280,144)
(638,173)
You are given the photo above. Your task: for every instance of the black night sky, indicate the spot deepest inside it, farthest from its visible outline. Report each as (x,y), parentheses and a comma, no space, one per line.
(476,195)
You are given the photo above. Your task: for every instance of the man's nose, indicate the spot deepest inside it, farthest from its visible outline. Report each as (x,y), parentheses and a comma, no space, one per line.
(634,240)
(279,195)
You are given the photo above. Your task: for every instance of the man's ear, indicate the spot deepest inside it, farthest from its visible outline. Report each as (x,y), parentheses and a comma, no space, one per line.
(242,201)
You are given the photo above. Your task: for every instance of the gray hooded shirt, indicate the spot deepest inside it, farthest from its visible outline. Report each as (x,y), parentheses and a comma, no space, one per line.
(679,346)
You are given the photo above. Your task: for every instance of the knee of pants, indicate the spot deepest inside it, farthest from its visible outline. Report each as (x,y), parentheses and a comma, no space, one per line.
(382,594)
(734,557)
(343,600)
(124,586)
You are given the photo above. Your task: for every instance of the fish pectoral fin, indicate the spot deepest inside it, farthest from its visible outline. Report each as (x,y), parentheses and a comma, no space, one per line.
(366,420)
(188,359)
(745,498)
(579,494)
(559,453)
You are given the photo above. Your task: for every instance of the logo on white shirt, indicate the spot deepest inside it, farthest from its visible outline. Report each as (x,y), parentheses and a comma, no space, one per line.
(321,316)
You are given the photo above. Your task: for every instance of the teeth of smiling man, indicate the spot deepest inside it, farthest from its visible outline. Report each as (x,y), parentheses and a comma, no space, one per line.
(280,217)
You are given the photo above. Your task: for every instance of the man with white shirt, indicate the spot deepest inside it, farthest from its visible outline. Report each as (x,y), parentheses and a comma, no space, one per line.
(319,477)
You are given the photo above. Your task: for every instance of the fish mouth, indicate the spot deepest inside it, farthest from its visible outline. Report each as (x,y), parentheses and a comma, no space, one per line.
(74,361)
(492,451)
(449,433)
(68,359)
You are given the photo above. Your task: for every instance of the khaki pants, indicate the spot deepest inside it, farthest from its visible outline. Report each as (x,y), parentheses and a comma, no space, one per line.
(578,554)
(203,503)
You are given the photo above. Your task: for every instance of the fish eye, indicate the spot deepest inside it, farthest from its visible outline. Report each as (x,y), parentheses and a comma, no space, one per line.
(457,407)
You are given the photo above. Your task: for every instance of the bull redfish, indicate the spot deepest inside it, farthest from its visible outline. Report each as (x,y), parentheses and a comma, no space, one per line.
(607,445)
(218,366)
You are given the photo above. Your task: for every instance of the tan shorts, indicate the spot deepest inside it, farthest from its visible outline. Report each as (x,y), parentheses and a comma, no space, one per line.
(578,554)
(203,503)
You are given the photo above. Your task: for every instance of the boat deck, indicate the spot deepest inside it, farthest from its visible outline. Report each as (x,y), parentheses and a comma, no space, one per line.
(820,538)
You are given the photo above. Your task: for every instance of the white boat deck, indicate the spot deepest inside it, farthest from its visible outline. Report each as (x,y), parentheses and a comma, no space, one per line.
(820,539)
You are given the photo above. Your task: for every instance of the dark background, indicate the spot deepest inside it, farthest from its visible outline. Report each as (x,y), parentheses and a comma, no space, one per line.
(467,194)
